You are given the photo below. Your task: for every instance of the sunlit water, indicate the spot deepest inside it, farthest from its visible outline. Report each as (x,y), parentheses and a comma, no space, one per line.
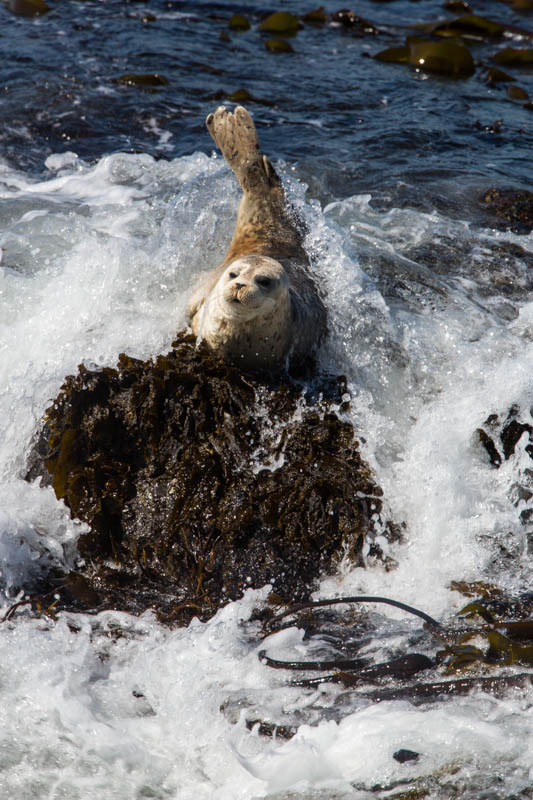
(99,255)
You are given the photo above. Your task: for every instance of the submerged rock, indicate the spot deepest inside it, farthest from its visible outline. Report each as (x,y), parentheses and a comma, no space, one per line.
(199,481)
(500,437)
(513,206)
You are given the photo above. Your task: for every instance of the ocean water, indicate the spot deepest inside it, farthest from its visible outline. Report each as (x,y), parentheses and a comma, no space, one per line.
(112,203)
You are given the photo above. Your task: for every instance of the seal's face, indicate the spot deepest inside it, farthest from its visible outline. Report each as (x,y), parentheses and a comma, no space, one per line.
(253,286)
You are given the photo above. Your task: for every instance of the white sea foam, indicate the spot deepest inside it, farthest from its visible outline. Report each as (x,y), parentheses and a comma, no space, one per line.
(100,259)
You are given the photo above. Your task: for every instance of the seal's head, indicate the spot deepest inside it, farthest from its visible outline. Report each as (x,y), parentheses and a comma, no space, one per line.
(247,317)
(254,286)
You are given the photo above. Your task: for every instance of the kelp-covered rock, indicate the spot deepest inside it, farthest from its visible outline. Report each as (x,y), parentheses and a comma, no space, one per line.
(199,481)
(514,207)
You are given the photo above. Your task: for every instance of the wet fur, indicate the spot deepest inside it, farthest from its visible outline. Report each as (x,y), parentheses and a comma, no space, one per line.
(263,228)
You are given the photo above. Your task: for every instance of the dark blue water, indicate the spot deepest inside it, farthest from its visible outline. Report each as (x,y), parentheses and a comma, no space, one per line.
(357,123)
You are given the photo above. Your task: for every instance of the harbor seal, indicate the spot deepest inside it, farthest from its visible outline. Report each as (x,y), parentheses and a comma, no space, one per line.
(260,308)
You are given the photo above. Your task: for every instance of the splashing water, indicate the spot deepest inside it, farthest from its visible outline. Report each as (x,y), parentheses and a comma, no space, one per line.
(100,259)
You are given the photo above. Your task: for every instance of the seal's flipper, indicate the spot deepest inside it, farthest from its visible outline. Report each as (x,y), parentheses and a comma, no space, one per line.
(263,223)
(236,136)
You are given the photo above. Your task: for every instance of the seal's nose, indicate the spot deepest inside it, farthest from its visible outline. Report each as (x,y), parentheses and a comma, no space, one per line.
(239,285)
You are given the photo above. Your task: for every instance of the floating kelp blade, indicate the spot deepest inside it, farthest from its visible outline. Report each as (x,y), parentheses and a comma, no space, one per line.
(281,22)
(517,93)
(495,75)
(241,96)
(470,25)
(316,17)
(400,668)
(460,686)
(515,56)
(239,23)
(144,79)
(355,599)
(503,648)
(517,629)
(445,58)
(343,663)
(278,46)
(476,609)
(394,55)
(28,8)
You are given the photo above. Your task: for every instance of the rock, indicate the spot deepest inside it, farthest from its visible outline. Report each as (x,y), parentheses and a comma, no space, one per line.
(513,206)
(499,438)
(404,755)
(199,481)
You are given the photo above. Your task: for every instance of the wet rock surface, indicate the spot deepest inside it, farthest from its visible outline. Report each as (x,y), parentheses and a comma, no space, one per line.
(199,481)
(509,437)
(513,208)
(500,435)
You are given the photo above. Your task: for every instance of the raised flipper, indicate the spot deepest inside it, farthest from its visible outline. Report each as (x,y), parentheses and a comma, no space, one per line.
(236,137)
(263,224)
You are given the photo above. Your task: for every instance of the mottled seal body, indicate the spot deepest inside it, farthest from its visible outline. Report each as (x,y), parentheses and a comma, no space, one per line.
(260,307)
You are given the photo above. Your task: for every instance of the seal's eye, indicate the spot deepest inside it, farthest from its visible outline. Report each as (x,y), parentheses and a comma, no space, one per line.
(264,282)
(233,275)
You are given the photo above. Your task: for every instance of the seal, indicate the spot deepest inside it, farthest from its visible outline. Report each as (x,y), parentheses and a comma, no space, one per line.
(260,308)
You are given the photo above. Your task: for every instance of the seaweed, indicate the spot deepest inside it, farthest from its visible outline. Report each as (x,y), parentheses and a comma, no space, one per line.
(199,481)
(449,58)
(281,22)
